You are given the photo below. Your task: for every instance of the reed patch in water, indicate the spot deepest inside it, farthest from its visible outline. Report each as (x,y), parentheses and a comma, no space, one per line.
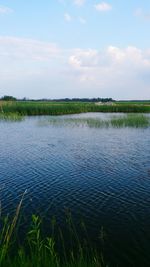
(39,251)
(127,120)
(130,120)
(11,117)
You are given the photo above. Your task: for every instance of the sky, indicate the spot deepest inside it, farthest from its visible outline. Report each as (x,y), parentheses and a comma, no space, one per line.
(75,48)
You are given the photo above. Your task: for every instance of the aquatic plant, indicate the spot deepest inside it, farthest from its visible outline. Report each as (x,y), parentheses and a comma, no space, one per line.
(11,116)
(60,108)
(131,120)
(127,120)
(38,250)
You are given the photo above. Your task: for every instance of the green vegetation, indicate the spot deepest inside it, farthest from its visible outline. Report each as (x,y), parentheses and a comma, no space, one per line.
(59,108)
(51,251)
(127,120)
(135,102)
(8,98)
(44,108)
(10,116)
(131,120)
(16,110)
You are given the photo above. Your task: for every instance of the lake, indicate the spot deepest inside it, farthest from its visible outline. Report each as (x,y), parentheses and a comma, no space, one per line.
(101,174)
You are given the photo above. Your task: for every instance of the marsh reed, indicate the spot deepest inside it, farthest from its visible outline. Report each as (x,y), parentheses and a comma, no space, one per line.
(61,108)
(38,250)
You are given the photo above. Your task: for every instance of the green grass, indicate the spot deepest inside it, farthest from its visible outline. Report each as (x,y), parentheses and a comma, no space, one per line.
(60,108)
(10,116)
(44,108)
(127,120)
(15,111)
(131,120)
(136,102)
(38,250)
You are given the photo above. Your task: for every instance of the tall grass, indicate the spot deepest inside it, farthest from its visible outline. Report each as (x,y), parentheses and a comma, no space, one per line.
(59,108)
(10,117)
(131,120)
(127,120)
(49,251)
(40,108)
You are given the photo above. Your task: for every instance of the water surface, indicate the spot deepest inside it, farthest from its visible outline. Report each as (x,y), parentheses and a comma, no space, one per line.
(101,175)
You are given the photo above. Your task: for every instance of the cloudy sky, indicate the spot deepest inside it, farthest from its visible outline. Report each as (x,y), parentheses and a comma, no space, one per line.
(75,48)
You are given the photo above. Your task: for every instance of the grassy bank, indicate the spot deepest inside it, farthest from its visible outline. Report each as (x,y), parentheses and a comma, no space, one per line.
(60,108)
(50,251)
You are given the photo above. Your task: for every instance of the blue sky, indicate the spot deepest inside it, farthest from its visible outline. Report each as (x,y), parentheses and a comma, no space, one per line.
(75,48)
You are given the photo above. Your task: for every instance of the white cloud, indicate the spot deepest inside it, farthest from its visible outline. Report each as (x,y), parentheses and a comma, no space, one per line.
(62,1)
(33,68)
(79,2)
(110,57)
(121,72)
(83,58)
(82,20)
(75,2)
(103,6)
(67,17)
(5,10)
(139,12)
(26,49)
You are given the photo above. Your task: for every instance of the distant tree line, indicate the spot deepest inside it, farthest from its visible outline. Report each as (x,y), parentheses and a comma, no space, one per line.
(73,100)
(11,98)
(84,99)
(8,98)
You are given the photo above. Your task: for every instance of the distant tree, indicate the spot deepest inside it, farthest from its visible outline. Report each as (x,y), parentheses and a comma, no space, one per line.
(24,99)
(92,100)
(8,98)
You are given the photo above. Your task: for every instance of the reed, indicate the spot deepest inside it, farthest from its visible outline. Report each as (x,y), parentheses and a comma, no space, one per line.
(127,120)
(44,108)
(39,251)
(131,120)
(59,108)
(10,116)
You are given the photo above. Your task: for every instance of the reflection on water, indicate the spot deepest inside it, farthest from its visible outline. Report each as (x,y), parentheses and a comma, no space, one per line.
(101,174)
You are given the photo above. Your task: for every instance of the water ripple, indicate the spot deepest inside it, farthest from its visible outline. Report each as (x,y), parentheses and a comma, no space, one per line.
(100,174)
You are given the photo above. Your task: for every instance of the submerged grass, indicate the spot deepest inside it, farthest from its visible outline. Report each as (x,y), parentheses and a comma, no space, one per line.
(10,116)
(128,120)
(131,120)
(49,251)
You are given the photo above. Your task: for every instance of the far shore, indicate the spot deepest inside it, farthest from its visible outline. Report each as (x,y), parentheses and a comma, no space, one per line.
(31,108)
